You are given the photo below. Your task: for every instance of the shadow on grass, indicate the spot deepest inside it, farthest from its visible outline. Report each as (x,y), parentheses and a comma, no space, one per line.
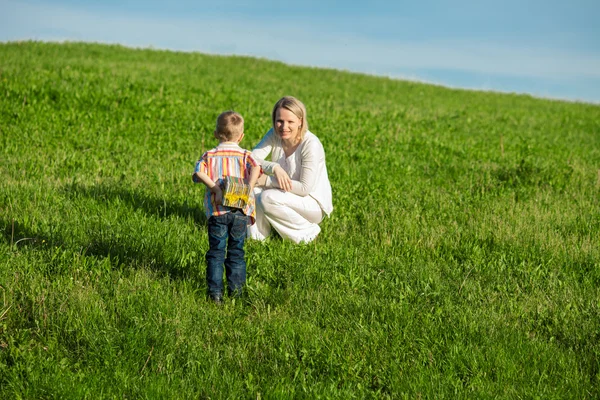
(132,253)
(17,235)
(123,252)
(151,205)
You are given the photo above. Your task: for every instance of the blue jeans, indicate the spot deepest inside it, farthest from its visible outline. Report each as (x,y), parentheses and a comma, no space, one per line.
(226,233)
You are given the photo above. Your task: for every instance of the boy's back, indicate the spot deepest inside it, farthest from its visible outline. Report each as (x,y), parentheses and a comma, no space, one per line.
(226,225)
(226,160)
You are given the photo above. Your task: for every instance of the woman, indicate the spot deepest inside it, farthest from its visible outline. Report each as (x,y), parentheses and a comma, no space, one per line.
(296,193)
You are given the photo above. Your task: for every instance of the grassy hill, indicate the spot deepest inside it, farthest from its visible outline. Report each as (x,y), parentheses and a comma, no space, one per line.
(462,259)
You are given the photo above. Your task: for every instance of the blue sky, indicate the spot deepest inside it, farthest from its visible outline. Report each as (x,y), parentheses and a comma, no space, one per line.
(544,48)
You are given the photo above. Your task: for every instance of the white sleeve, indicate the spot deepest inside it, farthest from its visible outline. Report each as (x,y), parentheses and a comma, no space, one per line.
(262,151)
(313,155)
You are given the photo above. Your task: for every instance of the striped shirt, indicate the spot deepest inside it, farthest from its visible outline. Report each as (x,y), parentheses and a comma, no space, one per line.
(227,159)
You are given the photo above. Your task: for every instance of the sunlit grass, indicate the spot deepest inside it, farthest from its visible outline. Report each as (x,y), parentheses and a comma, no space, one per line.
(462,258)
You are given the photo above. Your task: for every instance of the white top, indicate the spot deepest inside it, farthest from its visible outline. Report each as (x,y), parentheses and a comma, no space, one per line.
(306,167)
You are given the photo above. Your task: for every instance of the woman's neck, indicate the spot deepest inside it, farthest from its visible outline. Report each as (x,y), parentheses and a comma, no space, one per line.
(291,143)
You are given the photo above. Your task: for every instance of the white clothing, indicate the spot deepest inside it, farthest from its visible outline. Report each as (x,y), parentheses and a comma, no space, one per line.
(306,167)
(295,215)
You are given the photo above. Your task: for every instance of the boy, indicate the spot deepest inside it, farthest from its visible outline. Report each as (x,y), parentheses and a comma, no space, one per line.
(226,225)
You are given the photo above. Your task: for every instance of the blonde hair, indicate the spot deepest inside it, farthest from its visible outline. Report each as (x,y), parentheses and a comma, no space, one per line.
(294,105)
(230,126)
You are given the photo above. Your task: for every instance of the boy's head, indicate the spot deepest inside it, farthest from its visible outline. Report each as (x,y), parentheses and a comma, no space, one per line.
(230,127)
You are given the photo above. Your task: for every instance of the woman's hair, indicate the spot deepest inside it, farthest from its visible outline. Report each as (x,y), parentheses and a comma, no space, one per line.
(294,105)
(230,125)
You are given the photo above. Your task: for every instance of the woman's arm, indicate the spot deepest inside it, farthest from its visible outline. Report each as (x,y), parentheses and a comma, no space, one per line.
(313,156)
(262,151)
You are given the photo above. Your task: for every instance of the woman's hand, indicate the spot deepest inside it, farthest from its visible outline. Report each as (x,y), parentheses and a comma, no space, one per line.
(283,179)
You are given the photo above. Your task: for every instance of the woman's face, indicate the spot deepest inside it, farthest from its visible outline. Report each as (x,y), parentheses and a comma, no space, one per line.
(287,124)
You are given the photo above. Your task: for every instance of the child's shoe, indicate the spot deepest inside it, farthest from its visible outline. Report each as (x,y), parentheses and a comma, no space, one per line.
(216,298)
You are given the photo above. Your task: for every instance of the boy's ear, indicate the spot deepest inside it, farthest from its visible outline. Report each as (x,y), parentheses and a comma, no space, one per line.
(215,134)
(241,137)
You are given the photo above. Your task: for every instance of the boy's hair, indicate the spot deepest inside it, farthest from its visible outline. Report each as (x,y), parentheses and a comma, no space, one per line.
(230,125)
(294,105)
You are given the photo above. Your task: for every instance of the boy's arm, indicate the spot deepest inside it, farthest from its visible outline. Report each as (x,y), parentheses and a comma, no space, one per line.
(200,176)
(254,174)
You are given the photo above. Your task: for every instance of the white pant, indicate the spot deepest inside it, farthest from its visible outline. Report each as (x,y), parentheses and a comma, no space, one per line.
(294,217)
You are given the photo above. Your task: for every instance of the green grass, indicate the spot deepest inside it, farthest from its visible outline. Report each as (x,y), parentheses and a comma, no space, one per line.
(462,259)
